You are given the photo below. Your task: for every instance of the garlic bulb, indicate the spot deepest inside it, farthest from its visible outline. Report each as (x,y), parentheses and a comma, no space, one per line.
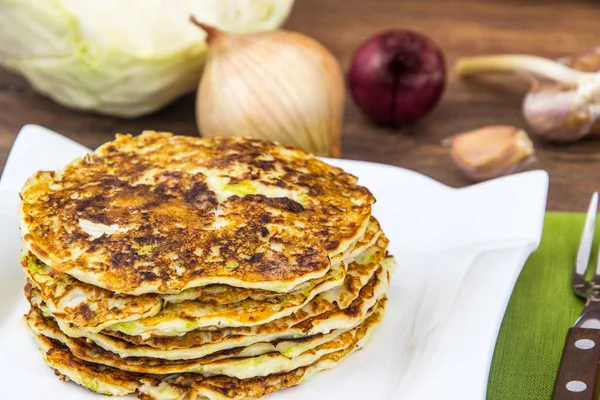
(564,110)
(491,151)
(586,61)
(278,85)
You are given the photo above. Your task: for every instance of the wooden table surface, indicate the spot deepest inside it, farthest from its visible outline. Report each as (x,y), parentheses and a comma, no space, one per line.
(460,27)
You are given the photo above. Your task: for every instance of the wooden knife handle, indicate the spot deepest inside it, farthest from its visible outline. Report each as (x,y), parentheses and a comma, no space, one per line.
(579,367)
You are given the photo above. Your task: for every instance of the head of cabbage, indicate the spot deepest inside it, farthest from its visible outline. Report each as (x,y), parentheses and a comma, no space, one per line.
(116,57)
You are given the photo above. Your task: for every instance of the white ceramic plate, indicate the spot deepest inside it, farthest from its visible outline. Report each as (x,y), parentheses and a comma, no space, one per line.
(459,250)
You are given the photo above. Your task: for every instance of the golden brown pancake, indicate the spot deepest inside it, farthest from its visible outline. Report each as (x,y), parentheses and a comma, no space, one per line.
(221,294)
(180,318)
(93,308)
(241,362)
(107,380)
(189,268)
(159,213)
(87,306)
(322,318)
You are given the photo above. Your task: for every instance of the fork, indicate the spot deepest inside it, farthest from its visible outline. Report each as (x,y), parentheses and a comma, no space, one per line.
(580,364)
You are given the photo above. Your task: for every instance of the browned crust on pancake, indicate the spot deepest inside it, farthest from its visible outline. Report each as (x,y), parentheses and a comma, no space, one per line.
(170,213)
(196,386)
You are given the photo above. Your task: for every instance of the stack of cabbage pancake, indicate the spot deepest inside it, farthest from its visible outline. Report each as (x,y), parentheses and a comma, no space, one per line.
(177,267)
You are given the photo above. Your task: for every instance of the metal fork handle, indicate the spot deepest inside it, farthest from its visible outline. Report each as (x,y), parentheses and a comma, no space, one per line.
(579,367)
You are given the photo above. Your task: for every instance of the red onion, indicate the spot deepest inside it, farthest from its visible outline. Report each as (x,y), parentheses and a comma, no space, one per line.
(398,76)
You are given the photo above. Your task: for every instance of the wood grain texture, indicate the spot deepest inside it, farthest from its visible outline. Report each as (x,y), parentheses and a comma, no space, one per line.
(578,372)
(460,27)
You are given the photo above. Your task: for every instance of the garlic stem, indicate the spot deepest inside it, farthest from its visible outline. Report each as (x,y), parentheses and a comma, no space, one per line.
(538,66)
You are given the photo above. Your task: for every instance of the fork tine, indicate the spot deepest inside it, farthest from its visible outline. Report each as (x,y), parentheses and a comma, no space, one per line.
(585,246)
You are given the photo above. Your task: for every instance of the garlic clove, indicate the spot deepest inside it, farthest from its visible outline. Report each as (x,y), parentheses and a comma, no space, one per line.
(491,151)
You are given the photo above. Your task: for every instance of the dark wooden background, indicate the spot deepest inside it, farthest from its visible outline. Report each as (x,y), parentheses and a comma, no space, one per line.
(460,27)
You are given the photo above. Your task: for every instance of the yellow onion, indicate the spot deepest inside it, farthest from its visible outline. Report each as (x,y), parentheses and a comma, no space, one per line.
(278,85)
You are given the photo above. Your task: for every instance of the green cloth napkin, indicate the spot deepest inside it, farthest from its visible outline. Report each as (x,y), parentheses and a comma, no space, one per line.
(541,310)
